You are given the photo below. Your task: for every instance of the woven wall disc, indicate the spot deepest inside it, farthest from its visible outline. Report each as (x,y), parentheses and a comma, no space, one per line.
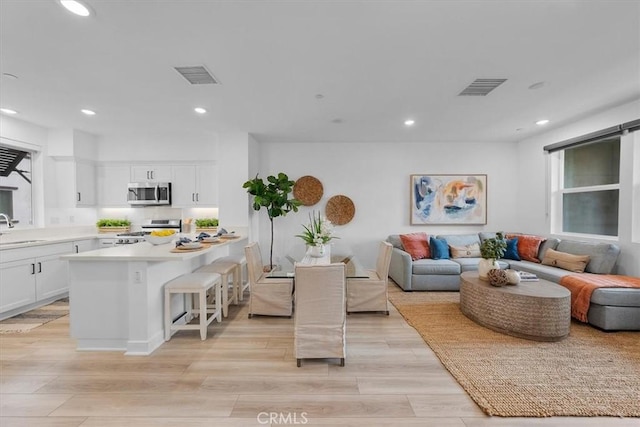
(308,190)
(340,210)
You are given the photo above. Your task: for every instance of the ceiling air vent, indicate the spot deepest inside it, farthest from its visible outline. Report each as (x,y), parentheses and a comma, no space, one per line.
(481,87)
(197,75)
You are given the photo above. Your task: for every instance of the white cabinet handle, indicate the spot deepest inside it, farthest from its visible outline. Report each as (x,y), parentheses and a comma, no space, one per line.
(79,197)
(197,197)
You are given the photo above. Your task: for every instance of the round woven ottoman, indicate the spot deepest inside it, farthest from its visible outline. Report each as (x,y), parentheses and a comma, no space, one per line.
(539,311)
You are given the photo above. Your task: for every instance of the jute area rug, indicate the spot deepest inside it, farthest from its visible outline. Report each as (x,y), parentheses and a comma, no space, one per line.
(590,373)
(30,320)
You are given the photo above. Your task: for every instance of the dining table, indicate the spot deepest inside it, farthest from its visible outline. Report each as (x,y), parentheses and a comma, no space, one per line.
(297,255)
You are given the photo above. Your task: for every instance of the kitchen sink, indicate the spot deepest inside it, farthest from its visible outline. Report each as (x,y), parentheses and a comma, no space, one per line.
(20,242)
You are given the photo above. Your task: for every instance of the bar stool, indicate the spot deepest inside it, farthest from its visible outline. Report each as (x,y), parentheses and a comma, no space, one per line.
(242,283)
(196,284)
(224,269)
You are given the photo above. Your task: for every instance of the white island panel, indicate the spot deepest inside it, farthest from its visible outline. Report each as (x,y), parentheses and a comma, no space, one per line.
(117,294)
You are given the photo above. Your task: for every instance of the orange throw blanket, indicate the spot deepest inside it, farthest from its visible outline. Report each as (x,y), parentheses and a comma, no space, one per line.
(582,286)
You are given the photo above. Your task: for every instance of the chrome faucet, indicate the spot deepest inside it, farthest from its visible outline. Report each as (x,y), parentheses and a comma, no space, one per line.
(6,218)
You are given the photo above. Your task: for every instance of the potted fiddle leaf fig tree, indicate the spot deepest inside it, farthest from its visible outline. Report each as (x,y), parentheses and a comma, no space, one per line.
(274,196)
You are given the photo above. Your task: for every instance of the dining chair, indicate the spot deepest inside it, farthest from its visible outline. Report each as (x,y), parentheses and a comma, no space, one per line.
(370,294)
(267,296)
(319,326)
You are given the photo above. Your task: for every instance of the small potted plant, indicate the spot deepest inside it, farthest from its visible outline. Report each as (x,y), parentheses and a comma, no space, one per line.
(491,250)
(106,225)
(207,225)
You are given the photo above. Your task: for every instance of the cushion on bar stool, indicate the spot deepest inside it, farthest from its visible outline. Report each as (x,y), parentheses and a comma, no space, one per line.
(242,284)
(193,283)
(224,269)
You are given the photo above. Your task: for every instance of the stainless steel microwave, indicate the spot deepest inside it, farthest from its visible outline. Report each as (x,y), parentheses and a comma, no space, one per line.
(149,193)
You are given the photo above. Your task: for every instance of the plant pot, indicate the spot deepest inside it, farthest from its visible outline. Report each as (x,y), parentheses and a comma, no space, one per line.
(114,229)
(318,251)
(208,230)
(484,265)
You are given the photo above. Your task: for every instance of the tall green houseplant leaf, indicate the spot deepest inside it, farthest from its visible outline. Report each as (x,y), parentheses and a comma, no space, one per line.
(274,196)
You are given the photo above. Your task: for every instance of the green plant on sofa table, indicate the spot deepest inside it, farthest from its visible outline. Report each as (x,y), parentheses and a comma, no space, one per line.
(493,248)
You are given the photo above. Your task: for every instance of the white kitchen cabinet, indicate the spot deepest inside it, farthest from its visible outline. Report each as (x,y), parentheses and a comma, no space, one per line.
(145,173)
(18,287)
(51,277)
(194,185)
(30,275)
(85,183)
(113,182)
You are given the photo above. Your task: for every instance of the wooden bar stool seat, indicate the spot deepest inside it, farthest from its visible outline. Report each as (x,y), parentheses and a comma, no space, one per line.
(224,269)
(242,283)
(196,284)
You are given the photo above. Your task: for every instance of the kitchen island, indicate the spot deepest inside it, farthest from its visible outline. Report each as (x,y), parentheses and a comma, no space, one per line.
(116,294)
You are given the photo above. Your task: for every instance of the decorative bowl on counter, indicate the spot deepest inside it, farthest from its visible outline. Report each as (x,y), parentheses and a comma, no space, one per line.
(159,240)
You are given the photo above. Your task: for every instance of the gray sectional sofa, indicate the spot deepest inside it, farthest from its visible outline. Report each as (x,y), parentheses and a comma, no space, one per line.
(610,309)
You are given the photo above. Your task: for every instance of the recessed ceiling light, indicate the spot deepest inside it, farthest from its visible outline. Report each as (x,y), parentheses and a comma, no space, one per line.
(200,110)
(409,122)
(88,112)
(542,122)
(76,7)
(8,111)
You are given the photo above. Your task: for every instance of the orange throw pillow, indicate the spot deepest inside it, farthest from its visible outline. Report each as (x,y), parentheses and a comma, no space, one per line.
(528,246)
(416,244)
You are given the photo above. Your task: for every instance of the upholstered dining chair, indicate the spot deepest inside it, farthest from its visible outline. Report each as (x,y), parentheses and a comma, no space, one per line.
(370,294)
(319,326)
(268,297)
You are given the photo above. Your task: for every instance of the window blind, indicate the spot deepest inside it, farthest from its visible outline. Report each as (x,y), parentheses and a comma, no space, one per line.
(593,136)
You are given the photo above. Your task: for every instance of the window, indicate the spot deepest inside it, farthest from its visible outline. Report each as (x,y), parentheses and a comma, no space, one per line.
(589,187)
(15,185)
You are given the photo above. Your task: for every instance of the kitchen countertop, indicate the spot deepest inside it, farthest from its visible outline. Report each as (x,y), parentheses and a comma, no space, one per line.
(145,251)
(13,242)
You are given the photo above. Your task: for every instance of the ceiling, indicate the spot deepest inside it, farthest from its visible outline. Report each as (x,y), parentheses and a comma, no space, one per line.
(374,63)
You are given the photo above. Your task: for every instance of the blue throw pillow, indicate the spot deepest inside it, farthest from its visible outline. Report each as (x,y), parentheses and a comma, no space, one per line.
(439,248)
(512,250)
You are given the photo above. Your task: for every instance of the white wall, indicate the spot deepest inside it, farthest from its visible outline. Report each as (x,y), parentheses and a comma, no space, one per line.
(376,177)
(532,201)
(19,130)
(233,171)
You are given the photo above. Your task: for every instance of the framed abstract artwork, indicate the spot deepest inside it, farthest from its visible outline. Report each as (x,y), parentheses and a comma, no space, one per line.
(448,199)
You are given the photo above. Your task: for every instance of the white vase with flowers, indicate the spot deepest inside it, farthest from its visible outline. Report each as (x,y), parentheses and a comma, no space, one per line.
(317,235)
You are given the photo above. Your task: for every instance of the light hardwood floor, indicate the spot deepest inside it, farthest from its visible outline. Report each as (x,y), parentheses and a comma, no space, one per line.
(243,372)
